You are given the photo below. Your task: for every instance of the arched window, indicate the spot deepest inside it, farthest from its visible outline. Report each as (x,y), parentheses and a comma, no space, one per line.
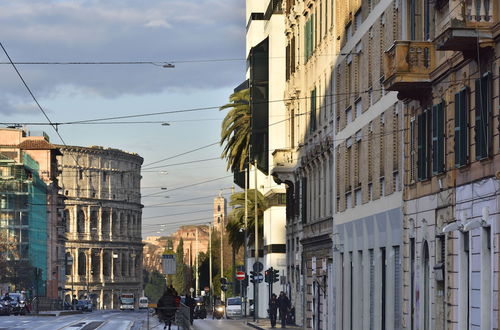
(106,264)
(82,264)
(105,223)
(93,222)
(80,222)
(116,265)
(124,265)
(96,263)
(116,224)
(66,221)
(69,263)
(123,225)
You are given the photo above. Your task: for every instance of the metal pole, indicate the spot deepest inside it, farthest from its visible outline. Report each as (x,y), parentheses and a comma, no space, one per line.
(256,284)
(210,258)
(222,293)
(196,261)
(245,295)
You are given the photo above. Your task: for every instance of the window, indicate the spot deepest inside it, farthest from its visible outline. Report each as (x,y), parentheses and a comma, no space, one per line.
(370,191)
(423,150)
(358,106)
(348,200)
(438,138)
(461,127)
(348,32)
(304,200)
(382,187)
(358,19)
(309,38)
(312,118)
(483,116)
(358,197)
(348,115)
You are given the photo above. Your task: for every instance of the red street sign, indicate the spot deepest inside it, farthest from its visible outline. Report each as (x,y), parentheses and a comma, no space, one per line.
(240,276)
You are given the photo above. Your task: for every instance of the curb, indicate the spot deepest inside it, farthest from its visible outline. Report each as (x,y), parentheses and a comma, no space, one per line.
(255,326)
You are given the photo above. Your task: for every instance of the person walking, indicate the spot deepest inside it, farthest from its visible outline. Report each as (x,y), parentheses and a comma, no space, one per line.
(190,303)
(273,310)
(166,308)
(284,307)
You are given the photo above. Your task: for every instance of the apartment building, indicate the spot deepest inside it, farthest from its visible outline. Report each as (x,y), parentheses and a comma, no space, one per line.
(445,67)
(265,50)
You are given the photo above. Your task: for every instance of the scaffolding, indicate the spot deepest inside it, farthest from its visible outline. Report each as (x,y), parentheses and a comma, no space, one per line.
(23,216)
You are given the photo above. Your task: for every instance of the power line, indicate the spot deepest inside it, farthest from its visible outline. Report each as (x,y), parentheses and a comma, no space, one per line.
(189,185)
(181,154)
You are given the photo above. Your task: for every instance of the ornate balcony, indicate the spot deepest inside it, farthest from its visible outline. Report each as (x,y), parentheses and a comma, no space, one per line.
(468,23)
(284,163)
(407,65)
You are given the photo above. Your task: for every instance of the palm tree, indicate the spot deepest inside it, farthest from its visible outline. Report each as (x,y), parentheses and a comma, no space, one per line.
(235,130)
(236,224)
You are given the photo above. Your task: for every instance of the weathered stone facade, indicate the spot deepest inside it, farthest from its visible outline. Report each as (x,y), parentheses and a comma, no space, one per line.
(103,223)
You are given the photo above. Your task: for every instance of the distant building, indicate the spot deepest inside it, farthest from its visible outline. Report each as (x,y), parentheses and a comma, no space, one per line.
(103,213)
(30,208)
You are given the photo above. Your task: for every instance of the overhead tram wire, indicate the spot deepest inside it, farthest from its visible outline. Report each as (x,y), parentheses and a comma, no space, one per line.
(181,154)
(36,101)
(186,186)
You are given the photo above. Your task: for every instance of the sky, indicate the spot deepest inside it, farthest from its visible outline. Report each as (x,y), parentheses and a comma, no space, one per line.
(204,39)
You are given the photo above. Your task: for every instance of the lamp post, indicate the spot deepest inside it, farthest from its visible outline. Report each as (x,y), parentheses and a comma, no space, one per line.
(256,218)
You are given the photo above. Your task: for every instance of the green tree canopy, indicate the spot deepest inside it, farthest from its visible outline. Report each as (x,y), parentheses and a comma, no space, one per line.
(236,224)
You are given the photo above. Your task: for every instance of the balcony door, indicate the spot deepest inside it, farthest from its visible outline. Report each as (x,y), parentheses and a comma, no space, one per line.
(420,19)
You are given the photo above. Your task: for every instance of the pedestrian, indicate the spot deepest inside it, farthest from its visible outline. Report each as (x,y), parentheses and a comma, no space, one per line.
(190,303)
(284,307)
(273,310)
(166,308)
(74,302)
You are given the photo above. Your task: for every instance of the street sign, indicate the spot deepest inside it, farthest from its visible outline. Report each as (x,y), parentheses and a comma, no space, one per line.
(240,276)
(258,266)
(260,278)
(168,262)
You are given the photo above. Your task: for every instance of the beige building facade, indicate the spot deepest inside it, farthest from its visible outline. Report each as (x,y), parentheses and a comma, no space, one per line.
(103,223)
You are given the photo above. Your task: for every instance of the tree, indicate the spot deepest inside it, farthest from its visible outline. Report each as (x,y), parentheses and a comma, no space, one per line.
(236,224)
(155,286)
(179,281)
(235,130)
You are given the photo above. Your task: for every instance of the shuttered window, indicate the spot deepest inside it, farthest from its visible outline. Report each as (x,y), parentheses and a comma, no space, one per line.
(483,116)
(422,145)
(304,200)
(461,127)
(308,38)
(438,138)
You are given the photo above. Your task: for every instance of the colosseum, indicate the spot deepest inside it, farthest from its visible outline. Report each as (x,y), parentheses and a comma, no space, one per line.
(103,223)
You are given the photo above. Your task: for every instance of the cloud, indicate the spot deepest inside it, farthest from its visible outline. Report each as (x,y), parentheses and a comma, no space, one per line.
(121,30)
(158,23)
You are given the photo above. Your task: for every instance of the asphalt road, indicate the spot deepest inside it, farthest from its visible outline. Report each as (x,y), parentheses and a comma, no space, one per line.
(106,320)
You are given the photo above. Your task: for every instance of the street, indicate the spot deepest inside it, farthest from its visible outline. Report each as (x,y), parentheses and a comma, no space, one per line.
(106,320)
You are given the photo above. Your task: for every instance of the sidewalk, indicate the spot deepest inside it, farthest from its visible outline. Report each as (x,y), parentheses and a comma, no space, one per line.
(264,324)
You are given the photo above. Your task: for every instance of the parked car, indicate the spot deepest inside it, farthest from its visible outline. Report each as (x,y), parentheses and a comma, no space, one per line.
(233,307)
(84,305)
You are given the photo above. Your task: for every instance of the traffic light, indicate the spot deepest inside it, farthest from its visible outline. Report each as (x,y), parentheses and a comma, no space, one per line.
(253,276)
(275,275)
(223,280)
(267,275)
(223,287)
(244,282)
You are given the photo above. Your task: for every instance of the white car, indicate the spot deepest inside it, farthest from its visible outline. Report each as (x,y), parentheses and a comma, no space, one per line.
(233,307)
(143,302)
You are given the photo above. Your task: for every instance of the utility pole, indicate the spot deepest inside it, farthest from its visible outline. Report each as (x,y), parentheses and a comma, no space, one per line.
(244,294)
(210,259)
(256,217)
(222,293)
(196,263)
